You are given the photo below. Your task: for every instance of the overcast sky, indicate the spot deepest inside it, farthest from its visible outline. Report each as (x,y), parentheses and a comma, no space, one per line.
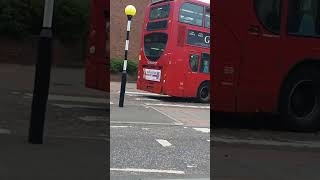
(207,1)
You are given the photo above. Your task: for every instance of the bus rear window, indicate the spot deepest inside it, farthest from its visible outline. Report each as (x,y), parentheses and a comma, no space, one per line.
(157,25)
(154,45)
(159,12)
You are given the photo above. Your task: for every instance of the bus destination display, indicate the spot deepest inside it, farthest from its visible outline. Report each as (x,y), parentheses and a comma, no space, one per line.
(198,38)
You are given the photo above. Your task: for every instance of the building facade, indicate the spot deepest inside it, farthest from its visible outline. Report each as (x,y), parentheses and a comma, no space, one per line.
(118,27)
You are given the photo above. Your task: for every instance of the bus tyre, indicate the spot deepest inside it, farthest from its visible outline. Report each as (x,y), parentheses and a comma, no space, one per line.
(203,94)
(300,100)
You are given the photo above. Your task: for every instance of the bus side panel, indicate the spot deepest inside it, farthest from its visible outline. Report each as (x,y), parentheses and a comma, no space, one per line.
(227,54)
(97,61)
(174,83)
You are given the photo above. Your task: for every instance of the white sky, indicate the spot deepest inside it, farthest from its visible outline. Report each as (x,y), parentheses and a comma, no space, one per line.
(207,1)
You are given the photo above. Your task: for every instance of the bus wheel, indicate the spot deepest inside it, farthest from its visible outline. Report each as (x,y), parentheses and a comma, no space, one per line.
(204,93)
(300,101)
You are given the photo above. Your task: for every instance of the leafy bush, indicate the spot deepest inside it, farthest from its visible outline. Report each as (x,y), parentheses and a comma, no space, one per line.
(116,66)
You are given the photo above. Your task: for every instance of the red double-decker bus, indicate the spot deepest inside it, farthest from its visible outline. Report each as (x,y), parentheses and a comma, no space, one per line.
(175,49)
(267,59)
(97,60)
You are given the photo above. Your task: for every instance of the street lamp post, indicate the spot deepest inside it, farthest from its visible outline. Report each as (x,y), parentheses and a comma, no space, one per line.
(130,11)
(42,77)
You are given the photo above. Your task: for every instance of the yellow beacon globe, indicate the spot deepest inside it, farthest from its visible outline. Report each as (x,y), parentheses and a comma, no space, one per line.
(130,10)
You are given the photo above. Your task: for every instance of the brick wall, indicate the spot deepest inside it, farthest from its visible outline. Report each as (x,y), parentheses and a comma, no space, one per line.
(118,27)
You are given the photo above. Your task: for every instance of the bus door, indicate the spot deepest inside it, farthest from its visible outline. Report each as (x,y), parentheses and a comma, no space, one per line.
(97,60)
(225,57)
(192,73)
(260,66)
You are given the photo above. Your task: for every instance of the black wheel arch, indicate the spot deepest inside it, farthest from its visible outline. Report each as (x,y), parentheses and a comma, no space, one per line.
(205,81)
(305,63)
(201,84)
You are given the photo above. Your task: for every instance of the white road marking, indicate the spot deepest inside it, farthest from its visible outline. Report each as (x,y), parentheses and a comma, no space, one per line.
(204,130)
(147,170)
(143,93)
(145,128)
(93,118)
(178,105)
(78,137)
(15,93)
(111,102)
(5,131)
(163,142)
(296,144)
(103,135)
(133,95)
(144,123)
(174,119)
(147,99)
(74,98)
(191,166)
(120,126)
(70,106)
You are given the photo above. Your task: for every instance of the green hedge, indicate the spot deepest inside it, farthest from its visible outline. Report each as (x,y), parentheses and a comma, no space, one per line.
(23,18)
(116,66)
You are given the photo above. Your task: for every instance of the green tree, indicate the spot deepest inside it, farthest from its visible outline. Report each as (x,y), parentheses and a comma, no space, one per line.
(23,18)
(71,19)
(14,18)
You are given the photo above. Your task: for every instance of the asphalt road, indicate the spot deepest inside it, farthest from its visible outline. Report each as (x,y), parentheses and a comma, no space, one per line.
(72,109)
(156,136)
(75,134)
(152,136)
(254,148)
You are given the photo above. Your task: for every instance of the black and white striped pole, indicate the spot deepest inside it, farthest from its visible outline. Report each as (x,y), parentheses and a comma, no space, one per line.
(130,11)
(42,77)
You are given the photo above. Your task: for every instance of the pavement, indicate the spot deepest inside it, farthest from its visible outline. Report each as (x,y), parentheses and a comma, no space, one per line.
(75,146)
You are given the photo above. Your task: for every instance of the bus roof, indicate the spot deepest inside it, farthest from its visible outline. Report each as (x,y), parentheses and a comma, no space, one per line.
(158,1)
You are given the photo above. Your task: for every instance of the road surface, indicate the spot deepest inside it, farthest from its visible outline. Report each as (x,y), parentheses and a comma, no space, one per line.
(156,136)
(75,144)
(257,148)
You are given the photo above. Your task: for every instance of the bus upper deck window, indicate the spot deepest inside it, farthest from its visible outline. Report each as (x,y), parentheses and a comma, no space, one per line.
(207,17)
(159,12)
(191,14)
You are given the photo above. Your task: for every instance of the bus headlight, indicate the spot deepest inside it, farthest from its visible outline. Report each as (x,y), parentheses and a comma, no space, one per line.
(92,49)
